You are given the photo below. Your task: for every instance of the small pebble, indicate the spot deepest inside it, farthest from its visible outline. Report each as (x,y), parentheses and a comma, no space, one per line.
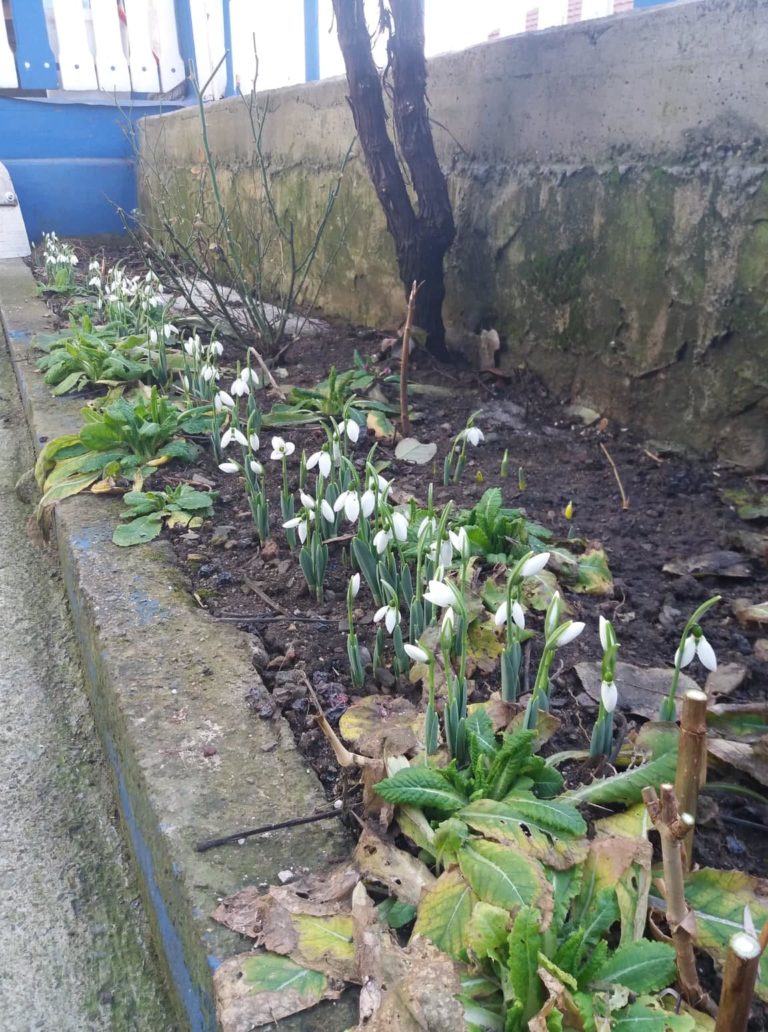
(285,876)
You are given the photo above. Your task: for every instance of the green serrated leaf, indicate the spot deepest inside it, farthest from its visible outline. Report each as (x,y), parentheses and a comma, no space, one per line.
(424,787)
(525,943)
(627,787)
(138,531)
(444,912)
(642,967)
(501,876)
(554,817)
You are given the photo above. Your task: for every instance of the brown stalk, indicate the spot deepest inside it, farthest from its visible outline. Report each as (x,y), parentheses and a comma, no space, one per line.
(405,422)
(739,979)
(672,827)
(691,762)
(624,499)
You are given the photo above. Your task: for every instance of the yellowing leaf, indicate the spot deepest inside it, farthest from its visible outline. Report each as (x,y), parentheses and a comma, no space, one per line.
(594,576)
(444,912)
(383,427)
(505,878)
(624,865)
(260,990)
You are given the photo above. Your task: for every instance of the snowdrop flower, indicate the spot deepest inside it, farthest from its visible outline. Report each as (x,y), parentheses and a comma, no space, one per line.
(350,503)
(281,448)
(602,625)
(448,622)
(73,259)
(381,541)
(233,434)
(566,633)
(354,584)
(94,281)
(192,346)
(502,615)
(327,510)
(472,435)
(390,614)
(399,526)
(376,482)
(169,330)
(216,348)
(351,429)
(307,500)
(208,373)
(367,503)
(427,528)
(256,467)
(415,653)
(552,618)
(253,441)
(322,460)
(239,387)
(460,542)
(444,555)
(300,524)
(229,467)
(697,646)
(153,336)
(223,400)
(609,696)
(440,594)
(251,375)
(534,565)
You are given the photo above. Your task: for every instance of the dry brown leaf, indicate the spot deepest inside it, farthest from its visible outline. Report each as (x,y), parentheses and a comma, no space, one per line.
(749,757)
(382,862)
(379,725)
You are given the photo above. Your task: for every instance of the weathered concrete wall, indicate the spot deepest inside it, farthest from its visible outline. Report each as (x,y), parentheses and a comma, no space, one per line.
(610,183)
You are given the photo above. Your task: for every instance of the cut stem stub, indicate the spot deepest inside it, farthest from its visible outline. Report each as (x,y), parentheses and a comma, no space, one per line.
(741,965)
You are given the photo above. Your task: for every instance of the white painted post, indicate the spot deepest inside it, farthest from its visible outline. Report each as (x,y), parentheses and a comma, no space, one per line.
(141,60)
(208,31)
(111,62)
(8,78)
(243,18)
(172,70)
(77,70)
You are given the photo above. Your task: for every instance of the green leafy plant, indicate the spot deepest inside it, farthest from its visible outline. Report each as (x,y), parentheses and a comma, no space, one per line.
(82,357)
(500,534)
(126,439)
(147,512)
(59,262)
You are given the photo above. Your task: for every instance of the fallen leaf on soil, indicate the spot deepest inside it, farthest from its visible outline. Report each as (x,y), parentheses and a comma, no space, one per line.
(751,542)
(750,504)
(749,757)
(381,862)
(380,959)
(753,617)
(641,689)
(539,589)
(484,646)
(747,721)
(726,679)
(255,990)
(379,725)
(411,450)
(594,575)
(715,563)
(383,427)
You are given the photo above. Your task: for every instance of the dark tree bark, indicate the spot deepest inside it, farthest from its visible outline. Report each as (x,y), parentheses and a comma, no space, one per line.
(422,236)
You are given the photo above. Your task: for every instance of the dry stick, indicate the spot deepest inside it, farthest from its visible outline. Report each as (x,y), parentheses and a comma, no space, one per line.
(673,826)
(405,355)
(624,499)
(273,383)
(691,762)
(741,966)
(295,822)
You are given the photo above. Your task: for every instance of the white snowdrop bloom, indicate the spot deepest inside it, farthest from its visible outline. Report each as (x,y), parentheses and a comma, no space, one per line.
(208,373)
(553,615)
(602,625)
(460,542)
(153,336)
(192,346)
(185,381)
(322,460)
(293,522)
(609,695)
(390,614)
(534,565)
(73,260)
(94,281)
(443,555)
(427,527)
(376,482)
(381,541)
(233,434)
(700,648)
(472,435)
(351,429)
(352,506)
(253,441)
(367,503)
(300,524)
(448,621)
(303,531)
(216,348)
(239,388)
(93,266)
(229,467)
(415,653)
(400,526)
(226,438)
(223,400)
(354,584)
(518,616)
(327,510)
(440,594)
(250,375)
(257,467)
(281,448)
(569,633)
(169,330)
(307,500)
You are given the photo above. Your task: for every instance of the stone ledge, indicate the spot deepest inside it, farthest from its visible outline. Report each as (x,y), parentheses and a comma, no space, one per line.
(166,682)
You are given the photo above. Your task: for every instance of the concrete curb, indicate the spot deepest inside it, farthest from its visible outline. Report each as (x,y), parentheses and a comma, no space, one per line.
(165,683)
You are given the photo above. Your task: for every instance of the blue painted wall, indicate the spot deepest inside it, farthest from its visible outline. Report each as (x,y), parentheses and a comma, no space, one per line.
(71,164)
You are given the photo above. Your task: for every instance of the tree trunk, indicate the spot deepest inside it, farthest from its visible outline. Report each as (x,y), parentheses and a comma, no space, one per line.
(421,237)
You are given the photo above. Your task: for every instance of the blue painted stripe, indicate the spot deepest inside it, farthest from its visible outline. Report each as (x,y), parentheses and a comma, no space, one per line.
(311,41)
(35,61)
(230,89)
(186,35)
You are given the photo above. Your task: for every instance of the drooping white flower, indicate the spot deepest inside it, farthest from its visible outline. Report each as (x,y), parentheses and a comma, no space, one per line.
(216,348)
(518,616)
(534,565)
(300,524)
(354,584)
(426,528)
(253,440)
(415,653)
(440,594)
(281,448)
(400,526)
(609,695)
(367,503)
(229,467)
(208,373)
(472,435)
(257,467)
(697,647)
(153,336)
(350,503)
(566,633)
(448,621)
(602,625)
(307,500)
(239,388)
(233,434)
(381,541)
(322,460)
(351,429)
(460,542)
(192,346)
(223,400)
(251,375)
(390,614)
(376,482)
(327,510)
(443,555)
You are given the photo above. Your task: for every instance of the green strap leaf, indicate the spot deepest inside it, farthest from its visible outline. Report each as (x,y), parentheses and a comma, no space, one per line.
(501,876)
(554,817)
(642,967)
(424,787)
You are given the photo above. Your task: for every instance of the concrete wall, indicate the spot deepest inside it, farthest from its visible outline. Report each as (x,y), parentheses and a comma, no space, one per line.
(610,188)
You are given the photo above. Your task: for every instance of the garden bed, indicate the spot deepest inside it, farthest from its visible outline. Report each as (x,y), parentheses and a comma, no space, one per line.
(677,540)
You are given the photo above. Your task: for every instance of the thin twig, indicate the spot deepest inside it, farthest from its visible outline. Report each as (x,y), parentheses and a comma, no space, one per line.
(253,586)
(624,499)
(405,354)
(263,365)
(237,836)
